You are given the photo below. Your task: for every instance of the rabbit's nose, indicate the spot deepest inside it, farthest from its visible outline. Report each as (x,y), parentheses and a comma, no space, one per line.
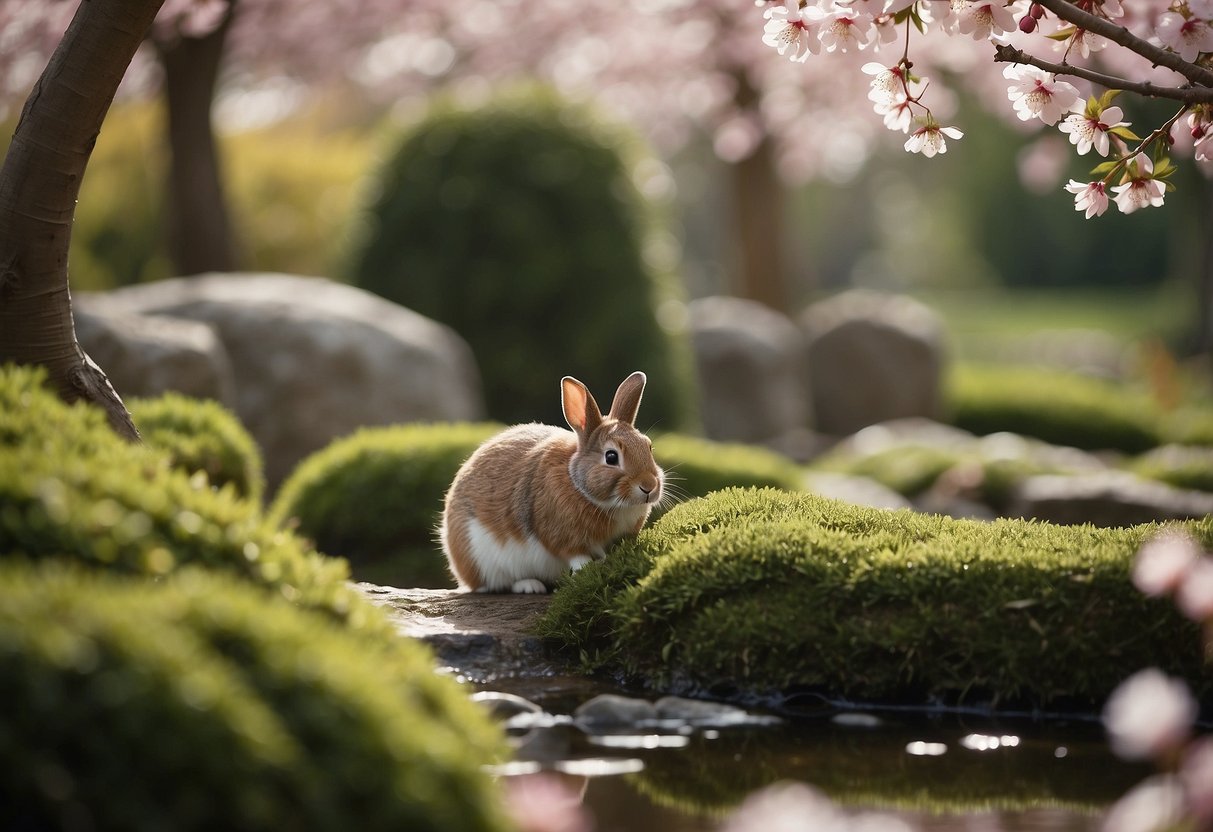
(647,491)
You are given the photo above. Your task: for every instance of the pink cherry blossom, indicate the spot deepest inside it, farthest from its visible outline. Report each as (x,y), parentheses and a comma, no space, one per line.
(1201,8)
(844,30)
(929,139)
(1196,773)
(983,19)
(1091,197)
(1143,190)
(1194,595)
(899,116)
(1153,804)
(888,85)
(1037,94)
(1149,714)
(1086,132)
(791,31)
(1189,36)
(1163,560)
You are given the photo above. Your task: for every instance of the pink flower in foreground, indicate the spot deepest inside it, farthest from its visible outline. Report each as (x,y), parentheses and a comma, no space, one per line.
(1142,190)
(545,803)
(1194,595)
(929,139)
(899,116)
(1153,804)
(1091,197)
(1037,94)
(887,87)
(1197,776)
(1189,36)
(845,29)
(1086,132)
(1149,714)
(1163,560)
(981,19)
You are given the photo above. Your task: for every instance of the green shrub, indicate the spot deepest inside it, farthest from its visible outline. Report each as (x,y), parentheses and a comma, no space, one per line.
(753,592)
(695,467)
(69,487)
(1178,465)
(519,225)
(201,435)
(907,469)
(1057,407)
(378,493)
(197,704)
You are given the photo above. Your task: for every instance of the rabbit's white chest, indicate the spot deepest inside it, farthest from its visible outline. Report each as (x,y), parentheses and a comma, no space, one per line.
(624,520)
(502,562)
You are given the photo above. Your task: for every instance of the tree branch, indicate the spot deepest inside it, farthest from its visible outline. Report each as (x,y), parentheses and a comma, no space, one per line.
(1187,95)
(1120,35)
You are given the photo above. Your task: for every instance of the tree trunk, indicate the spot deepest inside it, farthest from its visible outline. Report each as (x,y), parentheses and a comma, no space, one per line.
(199,229)
(758,206)
(39,184)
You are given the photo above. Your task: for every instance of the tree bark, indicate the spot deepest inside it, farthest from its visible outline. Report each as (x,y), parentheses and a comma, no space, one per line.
(758,216)
(39,184)
(199,227)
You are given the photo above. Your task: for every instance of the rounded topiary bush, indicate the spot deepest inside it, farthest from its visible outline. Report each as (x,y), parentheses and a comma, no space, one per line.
(378,493)
(520,225)
(199,704)
(1058,407)
(758,592)
(69,487)
(202,435)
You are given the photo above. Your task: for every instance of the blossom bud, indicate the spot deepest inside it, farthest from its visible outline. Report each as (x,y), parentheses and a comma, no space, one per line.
(1027,24)
(1037,11)
(1198,131)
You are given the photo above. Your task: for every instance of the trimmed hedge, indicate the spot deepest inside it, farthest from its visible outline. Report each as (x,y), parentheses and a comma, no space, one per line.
(202,435)
(758,592)
(69,487)
(1055,406)
(198,703)
(378,493)
(526,211)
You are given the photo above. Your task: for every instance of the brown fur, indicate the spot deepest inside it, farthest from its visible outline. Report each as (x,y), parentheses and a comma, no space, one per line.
(532,482)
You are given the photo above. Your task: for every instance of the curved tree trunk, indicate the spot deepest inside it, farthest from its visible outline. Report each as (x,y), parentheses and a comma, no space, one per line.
(39,184)
(199,229)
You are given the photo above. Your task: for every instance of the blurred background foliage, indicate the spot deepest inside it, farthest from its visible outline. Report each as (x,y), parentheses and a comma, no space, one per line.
(960,232)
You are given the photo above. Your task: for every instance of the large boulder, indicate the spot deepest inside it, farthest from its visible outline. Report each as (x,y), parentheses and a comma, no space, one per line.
(751,377)
(147,355)
(1109,499)
(872,358)
(313,359)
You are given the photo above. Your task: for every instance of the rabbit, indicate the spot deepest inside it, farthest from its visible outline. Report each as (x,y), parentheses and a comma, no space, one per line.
(537,500)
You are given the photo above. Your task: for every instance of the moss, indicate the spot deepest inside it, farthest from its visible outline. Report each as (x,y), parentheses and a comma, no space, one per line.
(69,487)
(754,592)
(527,209)
(907,469)
(378,493)
(202,435)
(1177,465)
(197,703)
(1057,407)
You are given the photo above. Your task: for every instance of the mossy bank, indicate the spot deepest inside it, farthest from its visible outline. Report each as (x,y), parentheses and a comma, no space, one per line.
(757,593)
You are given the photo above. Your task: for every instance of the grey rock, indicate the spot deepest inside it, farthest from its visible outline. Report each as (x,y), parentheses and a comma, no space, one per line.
(506,705)
(750,362)
(148,355)
(1108,499)
(703,714)
(610,710)
(860,491)
(871,358)
(313,359)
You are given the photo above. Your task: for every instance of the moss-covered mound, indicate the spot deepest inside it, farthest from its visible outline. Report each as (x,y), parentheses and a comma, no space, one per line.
(1058,407)
(204,436)
(527,210)
(198,704)
(69,487)
(757,592)
(378,493)
(1178,465)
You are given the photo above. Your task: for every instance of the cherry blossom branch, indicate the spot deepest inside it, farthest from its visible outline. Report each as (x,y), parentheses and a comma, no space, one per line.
(1120,35)
(1187,95)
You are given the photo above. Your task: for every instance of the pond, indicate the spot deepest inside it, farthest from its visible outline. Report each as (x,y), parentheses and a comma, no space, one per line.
(940,772)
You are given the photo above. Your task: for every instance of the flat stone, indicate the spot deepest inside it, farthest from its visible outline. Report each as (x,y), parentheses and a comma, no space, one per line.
(610,710)
(480,636)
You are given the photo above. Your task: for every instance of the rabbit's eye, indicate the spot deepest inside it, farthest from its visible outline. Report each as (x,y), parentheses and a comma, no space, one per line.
(611,457)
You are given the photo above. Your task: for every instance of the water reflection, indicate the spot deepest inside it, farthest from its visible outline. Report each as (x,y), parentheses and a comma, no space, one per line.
(942,774)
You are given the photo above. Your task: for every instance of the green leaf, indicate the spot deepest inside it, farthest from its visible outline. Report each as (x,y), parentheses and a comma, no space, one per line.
(1062,34)
(1104,168)
(1107,98)
(1125,133)
(1164,167)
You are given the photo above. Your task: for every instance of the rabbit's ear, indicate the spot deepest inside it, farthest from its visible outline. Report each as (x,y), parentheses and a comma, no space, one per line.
(579,406)
(627,398)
